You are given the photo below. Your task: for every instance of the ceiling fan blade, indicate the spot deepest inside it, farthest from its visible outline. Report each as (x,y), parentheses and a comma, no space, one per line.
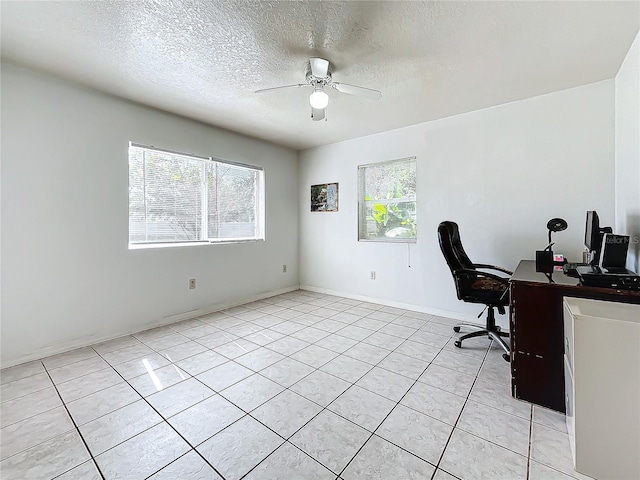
(317,114)
(363,92)
(319,67)
(284,86)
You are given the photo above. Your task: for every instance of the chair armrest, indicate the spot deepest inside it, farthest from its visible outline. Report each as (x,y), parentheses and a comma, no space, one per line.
(493,267)
(469,272)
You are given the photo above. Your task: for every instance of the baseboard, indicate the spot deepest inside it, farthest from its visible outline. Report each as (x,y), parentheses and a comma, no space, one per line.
(390,303)
(216,308)
(168,320)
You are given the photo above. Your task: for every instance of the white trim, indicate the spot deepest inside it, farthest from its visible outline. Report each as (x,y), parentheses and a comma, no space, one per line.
(168,320)
(387,162)
(193,155)
(390,303)
(170,152)
(216,308)
(389,239)
(142,246)
(387,201)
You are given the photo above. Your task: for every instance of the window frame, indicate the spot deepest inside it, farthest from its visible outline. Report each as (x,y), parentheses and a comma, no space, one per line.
(259,206)
(362,203)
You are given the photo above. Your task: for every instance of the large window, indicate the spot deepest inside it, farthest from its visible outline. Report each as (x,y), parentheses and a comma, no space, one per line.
(387,201)
(179,198)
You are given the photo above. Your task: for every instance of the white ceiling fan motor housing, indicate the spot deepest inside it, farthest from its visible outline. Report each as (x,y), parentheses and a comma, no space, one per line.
(313,80)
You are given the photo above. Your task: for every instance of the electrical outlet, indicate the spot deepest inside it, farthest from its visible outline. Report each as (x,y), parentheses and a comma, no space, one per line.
(192,283)
(372,276)
(284,269)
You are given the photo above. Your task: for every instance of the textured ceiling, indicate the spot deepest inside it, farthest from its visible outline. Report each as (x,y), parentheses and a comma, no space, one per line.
(204,59)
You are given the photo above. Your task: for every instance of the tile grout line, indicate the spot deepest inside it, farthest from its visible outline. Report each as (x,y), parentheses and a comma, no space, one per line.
(530,442)
(323,408)
(164,420)
(453,427)
(383,420)
(286,440)
(112,367)
(374,432)
(77,430)
(286,388)
(304,326)
(229,359)
(376,365)
(225,331)
(172,462)
(217,393)
(196,318)
(280,446)
(507,413)
(461,411)
(29,416)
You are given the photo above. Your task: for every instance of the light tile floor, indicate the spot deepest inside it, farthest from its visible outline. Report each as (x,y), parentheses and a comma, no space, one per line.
(296,386)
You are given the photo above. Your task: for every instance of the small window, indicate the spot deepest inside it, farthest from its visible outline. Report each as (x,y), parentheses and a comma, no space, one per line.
(180,198)
(387,201)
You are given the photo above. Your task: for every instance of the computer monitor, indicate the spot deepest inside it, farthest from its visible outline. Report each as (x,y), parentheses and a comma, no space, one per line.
(593,234)
(591,230)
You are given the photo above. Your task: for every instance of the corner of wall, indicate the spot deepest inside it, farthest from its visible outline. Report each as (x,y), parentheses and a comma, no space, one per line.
(627,152)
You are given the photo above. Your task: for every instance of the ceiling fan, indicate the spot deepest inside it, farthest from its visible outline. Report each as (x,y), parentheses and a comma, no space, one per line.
(318,76)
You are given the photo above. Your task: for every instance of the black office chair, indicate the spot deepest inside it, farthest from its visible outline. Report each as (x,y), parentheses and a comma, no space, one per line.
(475,286)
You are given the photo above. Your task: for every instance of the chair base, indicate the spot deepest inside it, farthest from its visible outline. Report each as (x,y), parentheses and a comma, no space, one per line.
(491,330)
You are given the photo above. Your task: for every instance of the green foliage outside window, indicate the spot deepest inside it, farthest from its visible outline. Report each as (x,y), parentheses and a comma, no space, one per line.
(388,201)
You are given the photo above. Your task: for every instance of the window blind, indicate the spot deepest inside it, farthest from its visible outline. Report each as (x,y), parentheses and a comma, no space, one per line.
(179,198)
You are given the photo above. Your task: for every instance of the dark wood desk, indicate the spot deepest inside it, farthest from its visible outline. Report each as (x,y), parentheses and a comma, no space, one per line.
(537,330)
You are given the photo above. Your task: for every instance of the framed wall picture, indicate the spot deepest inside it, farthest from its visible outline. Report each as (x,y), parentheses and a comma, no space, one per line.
(324,198)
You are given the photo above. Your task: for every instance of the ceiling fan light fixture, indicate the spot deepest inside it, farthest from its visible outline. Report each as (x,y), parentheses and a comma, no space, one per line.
(318,75)
(319,99)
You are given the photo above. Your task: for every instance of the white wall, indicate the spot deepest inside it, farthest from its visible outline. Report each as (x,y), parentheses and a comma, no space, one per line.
(500,173)
(68,278)
(627,91)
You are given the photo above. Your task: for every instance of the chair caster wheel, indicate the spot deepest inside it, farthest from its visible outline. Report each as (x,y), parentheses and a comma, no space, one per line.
(458,343)
(456,329)
(506,356)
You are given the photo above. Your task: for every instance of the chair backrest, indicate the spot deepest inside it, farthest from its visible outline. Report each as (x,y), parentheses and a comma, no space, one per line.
(455,256)
(470,286)
(451,246)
